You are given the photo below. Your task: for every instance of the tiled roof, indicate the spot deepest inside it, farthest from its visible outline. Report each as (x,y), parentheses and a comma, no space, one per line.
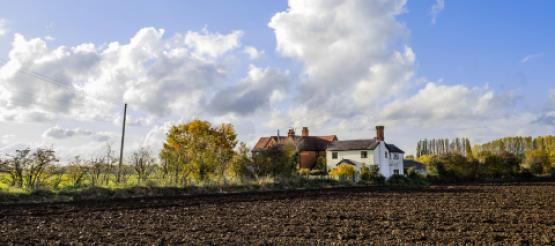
(346,161)
(312,143)
(315,143)
(393,148)
(368,144)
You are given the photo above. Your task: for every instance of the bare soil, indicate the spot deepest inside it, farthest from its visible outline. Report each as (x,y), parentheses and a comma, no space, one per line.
(518,213)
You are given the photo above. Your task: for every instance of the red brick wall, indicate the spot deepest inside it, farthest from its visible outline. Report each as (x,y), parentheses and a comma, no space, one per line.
(307,159)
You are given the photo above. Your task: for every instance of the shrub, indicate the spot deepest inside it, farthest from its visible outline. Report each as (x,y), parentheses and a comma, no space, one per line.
(397,179)
(303,171)
(371,174)
(537,161)
(343,172)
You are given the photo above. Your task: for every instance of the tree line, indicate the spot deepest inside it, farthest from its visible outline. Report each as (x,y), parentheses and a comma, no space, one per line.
(505,158)
(193,153)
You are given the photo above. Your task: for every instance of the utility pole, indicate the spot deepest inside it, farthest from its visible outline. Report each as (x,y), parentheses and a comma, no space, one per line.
(122,142)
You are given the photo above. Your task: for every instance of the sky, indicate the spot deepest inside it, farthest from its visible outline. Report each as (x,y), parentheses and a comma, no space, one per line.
(424,69)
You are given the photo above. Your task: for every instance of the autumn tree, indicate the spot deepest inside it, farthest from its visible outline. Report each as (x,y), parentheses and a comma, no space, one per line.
(198,149)
(537,161)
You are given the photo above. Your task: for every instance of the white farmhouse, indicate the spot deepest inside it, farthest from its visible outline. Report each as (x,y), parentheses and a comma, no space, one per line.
(375,151)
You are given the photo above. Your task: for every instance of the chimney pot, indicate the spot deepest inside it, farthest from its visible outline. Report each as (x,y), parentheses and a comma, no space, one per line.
(291,134)
(304,132)
(380,133)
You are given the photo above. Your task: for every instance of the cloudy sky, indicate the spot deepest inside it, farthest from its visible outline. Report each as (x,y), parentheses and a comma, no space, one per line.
(424,69)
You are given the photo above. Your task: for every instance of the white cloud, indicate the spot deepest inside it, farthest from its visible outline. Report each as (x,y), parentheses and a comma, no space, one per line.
(347,48)
(3,27)
(437,103)
(212,44)
(65,133)
(437,8)
(6,139)
(253,92)
(153,73)
(529,57)
(253,53)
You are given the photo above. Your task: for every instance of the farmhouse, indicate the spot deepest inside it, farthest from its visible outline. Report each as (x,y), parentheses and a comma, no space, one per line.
(308,147)
(373,151)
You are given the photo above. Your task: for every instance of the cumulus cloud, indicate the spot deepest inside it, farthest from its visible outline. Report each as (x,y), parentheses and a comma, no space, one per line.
(257,90)
(436,102)
(353,53)
(154,73)
(253,53)
(3,27)
(65,133)
(212,44)
(437,8)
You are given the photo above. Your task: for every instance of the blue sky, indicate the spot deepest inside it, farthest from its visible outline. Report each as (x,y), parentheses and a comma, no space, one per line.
(480,70)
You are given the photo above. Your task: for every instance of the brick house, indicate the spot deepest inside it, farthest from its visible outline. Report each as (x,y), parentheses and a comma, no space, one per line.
(358,152)
(308,147)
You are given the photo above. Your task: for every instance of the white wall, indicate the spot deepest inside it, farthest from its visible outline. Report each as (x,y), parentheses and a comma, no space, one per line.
(353,155)
(375,157)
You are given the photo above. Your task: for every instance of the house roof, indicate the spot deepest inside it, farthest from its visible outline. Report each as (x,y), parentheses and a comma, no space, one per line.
(309,143)
(315,143)
(346,161)
(413,163)
(393,148)
(358,144)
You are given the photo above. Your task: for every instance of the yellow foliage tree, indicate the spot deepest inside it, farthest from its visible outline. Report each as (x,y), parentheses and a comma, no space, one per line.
(343,172)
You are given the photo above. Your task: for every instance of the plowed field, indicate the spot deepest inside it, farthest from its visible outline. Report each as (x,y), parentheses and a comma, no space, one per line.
(521,213)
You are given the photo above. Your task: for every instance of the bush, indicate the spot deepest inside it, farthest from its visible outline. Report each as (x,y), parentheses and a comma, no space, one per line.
(452,168)
(343,172)
(371,174)
(397,179)
(303,171)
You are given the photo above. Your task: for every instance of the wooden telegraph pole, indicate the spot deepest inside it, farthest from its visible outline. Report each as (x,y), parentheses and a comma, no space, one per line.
(122,142)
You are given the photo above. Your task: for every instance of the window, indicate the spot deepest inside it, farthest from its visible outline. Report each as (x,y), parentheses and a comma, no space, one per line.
(396,156)
(396,171)
(334,155)
(364,154)
(386,156)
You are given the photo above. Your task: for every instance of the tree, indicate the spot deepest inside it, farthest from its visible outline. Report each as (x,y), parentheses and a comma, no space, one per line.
(343,172)
(537,161)
(109,160)
(15,166)
(502,165)
(142,163)
(41,159)
(199,149)
(242,165)
(96,169)
(278,160)
(321,164)
(76,172)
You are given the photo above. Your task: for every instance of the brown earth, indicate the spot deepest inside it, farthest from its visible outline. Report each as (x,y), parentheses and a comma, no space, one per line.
(521,213)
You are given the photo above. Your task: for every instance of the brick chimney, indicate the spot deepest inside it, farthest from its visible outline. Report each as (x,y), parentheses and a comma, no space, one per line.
(291,134)
(380,133)
(305,132)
